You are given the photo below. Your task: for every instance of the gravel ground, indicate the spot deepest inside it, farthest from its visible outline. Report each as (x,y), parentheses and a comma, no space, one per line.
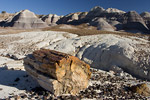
(103,86)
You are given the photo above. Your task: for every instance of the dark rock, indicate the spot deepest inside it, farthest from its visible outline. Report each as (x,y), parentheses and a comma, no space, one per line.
(26,76)
(1,89)
(17,79)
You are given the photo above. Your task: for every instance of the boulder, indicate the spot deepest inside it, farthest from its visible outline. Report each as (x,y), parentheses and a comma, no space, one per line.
(25,19)
(58,72)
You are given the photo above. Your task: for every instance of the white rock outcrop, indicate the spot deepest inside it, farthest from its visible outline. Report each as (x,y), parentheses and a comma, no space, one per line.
(132,54)
(114,10)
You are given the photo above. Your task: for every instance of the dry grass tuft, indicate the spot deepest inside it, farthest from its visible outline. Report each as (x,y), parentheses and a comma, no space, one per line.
(10,30)
(84,29)
(81,30)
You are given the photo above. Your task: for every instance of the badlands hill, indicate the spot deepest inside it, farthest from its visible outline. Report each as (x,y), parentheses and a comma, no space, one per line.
(117,20)
(25,19)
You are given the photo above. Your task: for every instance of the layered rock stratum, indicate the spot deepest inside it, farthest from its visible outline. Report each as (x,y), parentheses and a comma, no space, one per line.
(120,20)
(25,19)
(51,19)
(102,24)
(146,17)
(132,20)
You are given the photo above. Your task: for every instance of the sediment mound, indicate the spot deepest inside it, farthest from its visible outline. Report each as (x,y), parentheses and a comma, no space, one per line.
(25,19)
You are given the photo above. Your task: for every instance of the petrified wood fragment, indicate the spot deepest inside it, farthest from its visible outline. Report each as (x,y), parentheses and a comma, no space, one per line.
(58,72)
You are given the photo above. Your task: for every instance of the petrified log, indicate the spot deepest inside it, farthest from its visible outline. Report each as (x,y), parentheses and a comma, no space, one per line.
(58,72)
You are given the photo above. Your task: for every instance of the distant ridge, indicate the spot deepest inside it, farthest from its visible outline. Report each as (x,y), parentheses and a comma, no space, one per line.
(118,19)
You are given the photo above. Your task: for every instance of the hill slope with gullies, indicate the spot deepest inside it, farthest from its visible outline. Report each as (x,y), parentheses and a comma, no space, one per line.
(117,20)
(25,19)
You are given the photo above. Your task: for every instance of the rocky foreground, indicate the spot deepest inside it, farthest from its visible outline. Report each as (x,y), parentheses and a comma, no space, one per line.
(126,59)
(103,86)
(103,51)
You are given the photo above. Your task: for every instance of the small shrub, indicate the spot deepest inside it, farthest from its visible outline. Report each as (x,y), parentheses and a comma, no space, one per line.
(3,12)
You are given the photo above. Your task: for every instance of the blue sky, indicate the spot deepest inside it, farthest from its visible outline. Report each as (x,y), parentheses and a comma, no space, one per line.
(63,7)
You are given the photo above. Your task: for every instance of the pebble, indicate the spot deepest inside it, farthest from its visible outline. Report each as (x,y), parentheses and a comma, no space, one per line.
(17,79)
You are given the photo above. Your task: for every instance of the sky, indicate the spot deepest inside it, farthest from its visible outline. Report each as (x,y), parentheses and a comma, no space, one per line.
(63,7)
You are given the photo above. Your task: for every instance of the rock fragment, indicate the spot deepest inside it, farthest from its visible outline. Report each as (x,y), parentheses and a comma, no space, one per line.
(58,72)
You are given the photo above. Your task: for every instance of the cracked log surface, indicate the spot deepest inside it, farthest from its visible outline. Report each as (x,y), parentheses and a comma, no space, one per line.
(58,72)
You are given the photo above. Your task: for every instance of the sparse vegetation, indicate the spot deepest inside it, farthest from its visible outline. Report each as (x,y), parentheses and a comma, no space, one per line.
(3,12)
(8,30)
(39,16)
(81,30)
(84,29)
